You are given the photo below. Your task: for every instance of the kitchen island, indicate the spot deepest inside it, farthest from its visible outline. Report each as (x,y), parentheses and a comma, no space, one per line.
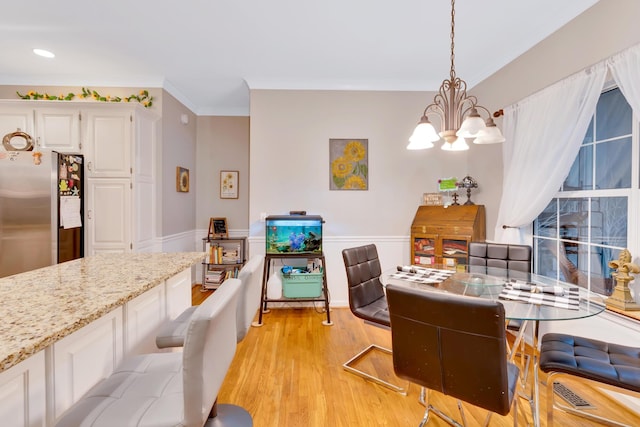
(66,326)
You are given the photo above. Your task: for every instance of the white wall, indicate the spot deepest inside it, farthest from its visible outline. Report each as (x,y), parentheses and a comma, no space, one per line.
(178,213)
(290,131)
(223,144)
(289,164)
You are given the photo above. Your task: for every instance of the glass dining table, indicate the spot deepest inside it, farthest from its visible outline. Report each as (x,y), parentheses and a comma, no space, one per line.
(528,298)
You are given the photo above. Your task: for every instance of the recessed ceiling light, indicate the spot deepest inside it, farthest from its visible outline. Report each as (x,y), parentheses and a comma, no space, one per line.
(43,53)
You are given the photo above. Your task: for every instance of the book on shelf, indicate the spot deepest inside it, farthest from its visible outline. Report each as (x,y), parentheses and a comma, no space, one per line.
(215,276)
(219,254)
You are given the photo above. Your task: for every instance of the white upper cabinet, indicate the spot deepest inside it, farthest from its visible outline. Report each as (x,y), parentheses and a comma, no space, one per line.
(14,118)
(107,143)
(58,128)
(49,124)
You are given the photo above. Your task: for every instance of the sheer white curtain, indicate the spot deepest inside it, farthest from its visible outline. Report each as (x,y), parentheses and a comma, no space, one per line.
(543,136)
(625,68)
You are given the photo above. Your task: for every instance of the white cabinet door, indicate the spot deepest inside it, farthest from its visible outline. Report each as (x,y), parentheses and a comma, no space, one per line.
(144,188)
(22,393)
(108,215)
(14,118)
(107,145)
(85,357)
(178,293)
(58,129)
(144,315)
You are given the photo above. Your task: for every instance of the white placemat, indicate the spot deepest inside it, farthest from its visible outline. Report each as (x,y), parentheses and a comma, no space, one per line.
(516,290)
(417,274)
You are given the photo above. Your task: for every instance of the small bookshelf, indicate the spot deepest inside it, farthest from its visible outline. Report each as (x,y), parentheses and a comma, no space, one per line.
(224,257)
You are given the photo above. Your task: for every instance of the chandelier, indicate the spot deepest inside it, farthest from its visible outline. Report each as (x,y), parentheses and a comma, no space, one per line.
(458,114)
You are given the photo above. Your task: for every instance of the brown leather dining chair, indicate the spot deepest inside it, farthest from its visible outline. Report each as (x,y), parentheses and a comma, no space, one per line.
(367,301)
(505,256)
(514,259)
(455,345)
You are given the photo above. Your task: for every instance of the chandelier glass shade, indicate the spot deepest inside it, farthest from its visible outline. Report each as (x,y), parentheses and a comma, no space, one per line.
(457,113)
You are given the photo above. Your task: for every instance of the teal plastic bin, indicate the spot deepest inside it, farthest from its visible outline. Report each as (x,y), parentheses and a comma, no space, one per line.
(302,285)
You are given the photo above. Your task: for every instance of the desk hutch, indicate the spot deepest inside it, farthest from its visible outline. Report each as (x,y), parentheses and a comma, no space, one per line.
(441,235)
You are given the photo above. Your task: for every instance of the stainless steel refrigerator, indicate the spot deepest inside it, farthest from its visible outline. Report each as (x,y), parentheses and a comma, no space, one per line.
(41,210)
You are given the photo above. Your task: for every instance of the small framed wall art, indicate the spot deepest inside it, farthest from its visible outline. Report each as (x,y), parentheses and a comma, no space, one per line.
(182,180)
(348,164)
(229,184)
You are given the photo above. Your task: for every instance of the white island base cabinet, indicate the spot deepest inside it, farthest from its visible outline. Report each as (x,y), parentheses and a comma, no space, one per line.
(68,368)
(22,393)
(83,358)
(144,314)
(38,390)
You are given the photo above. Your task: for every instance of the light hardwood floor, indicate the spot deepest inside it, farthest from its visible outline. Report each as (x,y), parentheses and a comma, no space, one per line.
(288,373)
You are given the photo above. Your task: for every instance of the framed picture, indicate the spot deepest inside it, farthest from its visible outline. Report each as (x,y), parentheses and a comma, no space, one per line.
(182,180)
(348,164)
(218,228)
(229,184)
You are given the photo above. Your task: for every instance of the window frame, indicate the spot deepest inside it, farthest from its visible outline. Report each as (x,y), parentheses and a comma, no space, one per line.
(632,195)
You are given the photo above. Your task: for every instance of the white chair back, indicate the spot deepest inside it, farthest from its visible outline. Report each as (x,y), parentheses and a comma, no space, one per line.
(209,347)
(249,300)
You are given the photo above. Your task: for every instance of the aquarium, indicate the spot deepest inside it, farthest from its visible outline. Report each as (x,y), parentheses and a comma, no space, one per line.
(287,234)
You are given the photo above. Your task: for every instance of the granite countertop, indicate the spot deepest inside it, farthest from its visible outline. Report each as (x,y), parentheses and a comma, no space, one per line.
(40,307)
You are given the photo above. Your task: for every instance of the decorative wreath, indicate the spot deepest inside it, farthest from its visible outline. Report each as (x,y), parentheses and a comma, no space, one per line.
(28,141)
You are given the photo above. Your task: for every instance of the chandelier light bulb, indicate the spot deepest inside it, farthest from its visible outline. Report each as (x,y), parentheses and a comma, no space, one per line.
(458,113)
(458,145)
(472,124)
(423,136)
(490,134)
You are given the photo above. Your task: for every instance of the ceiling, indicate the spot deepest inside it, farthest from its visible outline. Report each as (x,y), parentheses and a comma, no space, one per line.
(209,53)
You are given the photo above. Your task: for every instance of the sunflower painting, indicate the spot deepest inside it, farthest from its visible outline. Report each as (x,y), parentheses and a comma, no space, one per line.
(349,163)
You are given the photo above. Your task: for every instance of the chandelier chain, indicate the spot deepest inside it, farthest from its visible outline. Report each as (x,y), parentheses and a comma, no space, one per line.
(457,111)
(453,26)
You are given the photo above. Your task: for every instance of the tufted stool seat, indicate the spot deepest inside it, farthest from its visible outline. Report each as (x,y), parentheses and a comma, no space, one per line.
(613,365)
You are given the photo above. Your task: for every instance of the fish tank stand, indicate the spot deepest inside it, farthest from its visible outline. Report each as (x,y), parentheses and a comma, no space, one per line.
(265,300)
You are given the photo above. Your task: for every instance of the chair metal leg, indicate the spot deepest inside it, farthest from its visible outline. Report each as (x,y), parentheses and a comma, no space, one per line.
(461,409)
(373,347)
(424,399)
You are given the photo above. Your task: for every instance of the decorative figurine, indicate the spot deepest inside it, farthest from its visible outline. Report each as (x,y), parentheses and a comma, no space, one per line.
(37,157)
(621,297)
(468,183)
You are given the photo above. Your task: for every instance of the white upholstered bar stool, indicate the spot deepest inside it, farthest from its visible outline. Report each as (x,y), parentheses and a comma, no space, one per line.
(172,334)
(168,389)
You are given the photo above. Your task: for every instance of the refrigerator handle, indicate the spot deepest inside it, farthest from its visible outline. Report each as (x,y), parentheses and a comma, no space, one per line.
(90,165)
(89,214)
